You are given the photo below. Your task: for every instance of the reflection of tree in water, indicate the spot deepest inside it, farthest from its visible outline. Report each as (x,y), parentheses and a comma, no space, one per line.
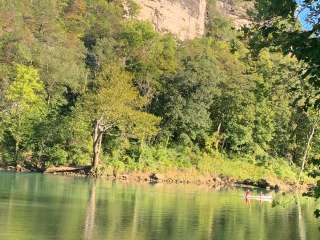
(90,213)
(135,216)
(294,200)
(118,211)
(125,212)
(301,223)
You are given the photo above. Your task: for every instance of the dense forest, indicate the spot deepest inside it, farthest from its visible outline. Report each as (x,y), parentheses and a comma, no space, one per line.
(82,82)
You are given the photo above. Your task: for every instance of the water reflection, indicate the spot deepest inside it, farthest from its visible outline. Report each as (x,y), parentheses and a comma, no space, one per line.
(90,213)
(51,207)
(301,222)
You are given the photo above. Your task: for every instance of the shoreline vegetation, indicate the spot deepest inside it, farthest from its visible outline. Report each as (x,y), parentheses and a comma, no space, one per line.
(182,177)
(227,173)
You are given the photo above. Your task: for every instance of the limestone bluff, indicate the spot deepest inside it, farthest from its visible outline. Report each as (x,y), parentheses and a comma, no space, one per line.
(187,18)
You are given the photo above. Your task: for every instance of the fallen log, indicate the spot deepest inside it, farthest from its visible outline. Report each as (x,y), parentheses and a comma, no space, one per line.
(67,169)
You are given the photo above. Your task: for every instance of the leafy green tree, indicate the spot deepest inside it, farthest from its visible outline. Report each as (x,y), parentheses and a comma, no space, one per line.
(218,26)
(266,10)
(186,96)
(116,104)
(147,55)
(24,105)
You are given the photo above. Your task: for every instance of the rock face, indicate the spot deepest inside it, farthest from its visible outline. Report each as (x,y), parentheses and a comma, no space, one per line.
(184,18)
(187,18)
(236,10)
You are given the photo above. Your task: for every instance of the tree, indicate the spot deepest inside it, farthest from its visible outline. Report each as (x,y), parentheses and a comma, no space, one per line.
(24,104)
(281,31)
(185,97)
(147,55)
(278,27)
(116,104)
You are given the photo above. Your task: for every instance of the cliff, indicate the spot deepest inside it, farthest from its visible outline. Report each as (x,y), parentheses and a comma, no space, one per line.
(236,11)
(184,18)
(187,18)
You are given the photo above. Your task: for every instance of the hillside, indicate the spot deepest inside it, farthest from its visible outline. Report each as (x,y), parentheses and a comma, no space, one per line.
(87,83)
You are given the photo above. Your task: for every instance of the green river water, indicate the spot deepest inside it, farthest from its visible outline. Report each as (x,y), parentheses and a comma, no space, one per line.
(41,207)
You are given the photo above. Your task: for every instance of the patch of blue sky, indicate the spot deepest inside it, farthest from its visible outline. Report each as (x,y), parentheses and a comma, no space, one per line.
(303,14)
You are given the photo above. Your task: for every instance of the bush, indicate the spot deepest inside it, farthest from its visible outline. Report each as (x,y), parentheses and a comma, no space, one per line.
(57,156)
(162,159)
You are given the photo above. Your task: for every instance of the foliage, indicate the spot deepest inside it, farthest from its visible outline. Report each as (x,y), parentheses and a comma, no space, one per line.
(282,31)
(23,106)
(229,102)
(117,104)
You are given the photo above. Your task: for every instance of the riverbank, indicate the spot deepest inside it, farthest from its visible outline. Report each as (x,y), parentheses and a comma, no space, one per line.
(172,167)
(181,177)
(214,181)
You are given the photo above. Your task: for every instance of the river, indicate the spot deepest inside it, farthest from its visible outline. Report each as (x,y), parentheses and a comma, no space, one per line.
(43,207)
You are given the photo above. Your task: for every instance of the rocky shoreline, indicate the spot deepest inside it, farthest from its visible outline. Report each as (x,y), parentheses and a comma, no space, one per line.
(177,177)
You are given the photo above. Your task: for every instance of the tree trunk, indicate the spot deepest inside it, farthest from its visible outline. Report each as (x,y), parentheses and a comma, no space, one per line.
(216,146)
(305,155)
(67,169)
(97,139)
(16,154)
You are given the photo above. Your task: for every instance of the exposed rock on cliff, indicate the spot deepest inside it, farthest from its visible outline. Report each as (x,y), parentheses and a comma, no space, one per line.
(236,10)
(187,18)
(184,18)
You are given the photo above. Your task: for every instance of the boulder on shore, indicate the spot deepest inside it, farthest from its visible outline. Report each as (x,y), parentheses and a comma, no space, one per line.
(156,177)
(248,182)
(261,183)
(20,168)
(11,168)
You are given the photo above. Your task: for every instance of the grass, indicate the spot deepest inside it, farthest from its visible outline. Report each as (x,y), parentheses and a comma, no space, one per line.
(189,164)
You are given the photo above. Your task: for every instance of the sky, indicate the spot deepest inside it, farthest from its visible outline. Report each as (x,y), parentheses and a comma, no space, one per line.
(303,16)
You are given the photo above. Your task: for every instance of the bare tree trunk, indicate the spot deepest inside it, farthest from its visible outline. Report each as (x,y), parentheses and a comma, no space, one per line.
(218,140)
(95,158)
(306,152)
(16,154)
(97,139)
